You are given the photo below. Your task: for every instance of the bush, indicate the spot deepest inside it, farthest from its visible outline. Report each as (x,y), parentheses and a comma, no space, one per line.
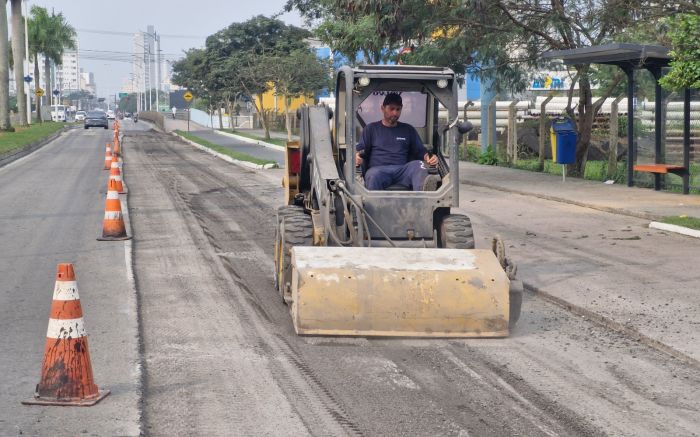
(488,157)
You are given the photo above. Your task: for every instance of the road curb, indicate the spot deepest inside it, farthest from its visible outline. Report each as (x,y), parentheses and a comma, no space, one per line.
(31,147)
(251,140)
(131,281)
(226,157)
(613,325)
(675,229)
(619,211)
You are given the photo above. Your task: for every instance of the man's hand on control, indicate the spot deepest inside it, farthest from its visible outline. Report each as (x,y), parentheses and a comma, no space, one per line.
(432,160)
(358,159)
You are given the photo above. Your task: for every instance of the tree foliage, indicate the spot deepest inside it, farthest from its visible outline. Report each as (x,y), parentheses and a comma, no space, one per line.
(247,58)
(685,66)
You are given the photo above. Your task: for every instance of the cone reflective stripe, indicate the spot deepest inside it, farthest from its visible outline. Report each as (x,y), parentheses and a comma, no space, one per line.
(113,227)
(66,373)
(116,159)
(108,157)
(115,175)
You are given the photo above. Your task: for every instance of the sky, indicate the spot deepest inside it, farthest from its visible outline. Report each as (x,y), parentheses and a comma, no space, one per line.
(193,20)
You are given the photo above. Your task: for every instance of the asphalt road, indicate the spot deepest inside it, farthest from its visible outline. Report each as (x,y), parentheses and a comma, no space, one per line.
(221,358)
(51,210)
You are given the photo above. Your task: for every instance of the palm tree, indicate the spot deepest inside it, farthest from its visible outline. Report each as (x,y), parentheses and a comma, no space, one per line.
(49,35)
(4,70)
(18,56)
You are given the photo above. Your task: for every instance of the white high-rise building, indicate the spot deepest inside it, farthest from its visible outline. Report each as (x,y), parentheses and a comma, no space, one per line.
(144,67)
(68,73)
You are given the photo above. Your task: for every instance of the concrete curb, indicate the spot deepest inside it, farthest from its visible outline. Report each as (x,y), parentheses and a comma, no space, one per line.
(675,228)
(16,154)
(252,141)
(226,157)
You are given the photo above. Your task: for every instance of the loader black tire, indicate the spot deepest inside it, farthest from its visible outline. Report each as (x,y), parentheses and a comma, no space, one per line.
(455,232)
(294,228)
(515,301)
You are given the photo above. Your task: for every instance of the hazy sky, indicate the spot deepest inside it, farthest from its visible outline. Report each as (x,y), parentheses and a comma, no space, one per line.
(194,19)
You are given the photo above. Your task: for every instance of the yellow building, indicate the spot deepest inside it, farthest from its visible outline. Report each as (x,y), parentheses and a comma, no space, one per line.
(276,103)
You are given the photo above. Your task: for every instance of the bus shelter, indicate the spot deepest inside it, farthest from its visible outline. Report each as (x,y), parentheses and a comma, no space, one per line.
(630,58)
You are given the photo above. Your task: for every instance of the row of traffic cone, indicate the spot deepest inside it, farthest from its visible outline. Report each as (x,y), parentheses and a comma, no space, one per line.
(66,371)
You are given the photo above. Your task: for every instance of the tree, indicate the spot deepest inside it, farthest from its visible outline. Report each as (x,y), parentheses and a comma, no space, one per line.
(18,57)
(4,70)
(51,36)
(685,66)
(504,39)
(297,74)
(241,57)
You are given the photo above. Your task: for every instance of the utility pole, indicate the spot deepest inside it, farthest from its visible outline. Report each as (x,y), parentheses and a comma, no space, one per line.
(157,38)
(26,61)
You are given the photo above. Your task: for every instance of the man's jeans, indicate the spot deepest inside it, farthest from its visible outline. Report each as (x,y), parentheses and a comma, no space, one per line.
(411,174)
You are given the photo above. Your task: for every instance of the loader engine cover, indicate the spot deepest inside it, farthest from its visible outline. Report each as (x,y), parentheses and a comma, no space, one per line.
(360,291)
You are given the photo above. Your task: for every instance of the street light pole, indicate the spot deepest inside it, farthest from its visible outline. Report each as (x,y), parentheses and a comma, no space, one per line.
(157,40)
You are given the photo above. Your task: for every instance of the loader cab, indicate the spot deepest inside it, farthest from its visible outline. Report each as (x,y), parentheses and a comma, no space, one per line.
(424,90)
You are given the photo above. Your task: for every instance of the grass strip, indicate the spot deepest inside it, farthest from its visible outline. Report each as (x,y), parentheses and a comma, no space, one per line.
(232,153)
(683,220)
(275,141)
(24,135)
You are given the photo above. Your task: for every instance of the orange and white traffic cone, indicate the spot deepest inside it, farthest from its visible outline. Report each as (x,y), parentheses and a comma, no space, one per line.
(117,147)
(108,157)
(115,175)
(113,227)
(66,373)
(118,160)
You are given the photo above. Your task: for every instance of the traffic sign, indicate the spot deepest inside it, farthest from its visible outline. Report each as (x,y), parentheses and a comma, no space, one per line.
(39,92)
(28,78)
(56,92)
(122,95)
(187,96)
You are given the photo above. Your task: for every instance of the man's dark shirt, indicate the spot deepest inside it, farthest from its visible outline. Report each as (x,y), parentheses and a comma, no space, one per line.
(391,145)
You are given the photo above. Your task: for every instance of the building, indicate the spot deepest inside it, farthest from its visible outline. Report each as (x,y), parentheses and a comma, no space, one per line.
(68,73)
(87,82)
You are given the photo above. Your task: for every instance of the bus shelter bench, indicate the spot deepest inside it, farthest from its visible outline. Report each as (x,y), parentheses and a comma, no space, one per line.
(661,169)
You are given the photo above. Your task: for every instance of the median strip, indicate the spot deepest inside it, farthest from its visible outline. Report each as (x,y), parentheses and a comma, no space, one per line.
(26,139)
(226,154)
(683,225)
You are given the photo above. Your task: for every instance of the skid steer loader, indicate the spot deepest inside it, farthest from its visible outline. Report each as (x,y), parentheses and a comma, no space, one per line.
(350,261)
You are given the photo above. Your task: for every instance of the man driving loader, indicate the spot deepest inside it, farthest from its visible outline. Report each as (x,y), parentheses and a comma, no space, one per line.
(391,152)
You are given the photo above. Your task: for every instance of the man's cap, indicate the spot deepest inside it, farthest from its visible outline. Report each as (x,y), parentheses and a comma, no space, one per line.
(392,99)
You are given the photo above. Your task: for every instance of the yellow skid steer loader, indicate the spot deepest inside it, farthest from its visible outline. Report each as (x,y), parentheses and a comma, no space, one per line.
(395,262)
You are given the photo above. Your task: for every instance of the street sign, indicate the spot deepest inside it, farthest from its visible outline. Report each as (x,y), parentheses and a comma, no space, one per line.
(39,92)
(56,92)
(28,78)
(122,95)
(187,96)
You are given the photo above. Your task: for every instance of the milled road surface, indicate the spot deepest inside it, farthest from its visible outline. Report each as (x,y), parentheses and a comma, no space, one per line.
(51,209)
(221,356)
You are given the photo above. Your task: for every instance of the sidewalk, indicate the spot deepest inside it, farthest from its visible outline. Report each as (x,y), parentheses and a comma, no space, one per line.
(643,203)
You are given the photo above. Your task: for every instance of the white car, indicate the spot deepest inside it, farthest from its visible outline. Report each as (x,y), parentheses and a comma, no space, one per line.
(80,116)
(58,113)
(110,114)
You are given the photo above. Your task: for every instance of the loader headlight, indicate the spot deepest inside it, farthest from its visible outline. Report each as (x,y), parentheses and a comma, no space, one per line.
(363,81)
(442,83)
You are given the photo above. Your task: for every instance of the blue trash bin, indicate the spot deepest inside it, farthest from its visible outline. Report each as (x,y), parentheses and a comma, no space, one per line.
(563,136)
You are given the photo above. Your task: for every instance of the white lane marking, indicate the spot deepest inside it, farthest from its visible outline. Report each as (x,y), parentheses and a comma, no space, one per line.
(66,328)
(66,290)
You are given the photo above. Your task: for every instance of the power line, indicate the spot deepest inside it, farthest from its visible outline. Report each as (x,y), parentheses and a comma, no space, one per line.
(114,32)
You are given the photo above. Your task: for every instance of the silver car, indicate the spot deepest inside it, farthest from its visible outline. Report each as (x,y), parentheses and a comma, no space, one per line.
(96,118)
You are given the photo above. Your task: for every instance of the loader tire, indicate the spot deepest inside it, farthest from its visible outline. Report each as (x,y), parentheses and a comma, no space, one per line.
(456,232)
(294,228)
(515,301)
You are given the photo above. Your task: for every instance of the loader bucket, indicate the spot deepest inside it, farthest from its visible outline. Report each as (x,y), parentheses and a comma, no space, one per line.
(359,291)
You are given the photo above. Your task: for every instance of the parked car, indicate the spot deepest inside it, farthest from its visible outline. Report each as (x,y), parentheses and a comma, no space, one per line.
(80,115)
(96,118)
(58,113)
(110,114)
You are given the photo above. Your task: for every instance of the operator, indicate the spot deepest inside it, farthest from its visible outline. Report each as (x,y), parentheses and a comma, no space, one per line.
(395,152)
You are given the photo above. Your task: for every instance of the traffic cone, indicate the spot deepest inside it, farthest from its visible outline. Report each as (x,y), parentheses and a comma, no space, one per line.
(117,148)
(108,157)
(66,373)
(113,224)
(118,160)
(115,176)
